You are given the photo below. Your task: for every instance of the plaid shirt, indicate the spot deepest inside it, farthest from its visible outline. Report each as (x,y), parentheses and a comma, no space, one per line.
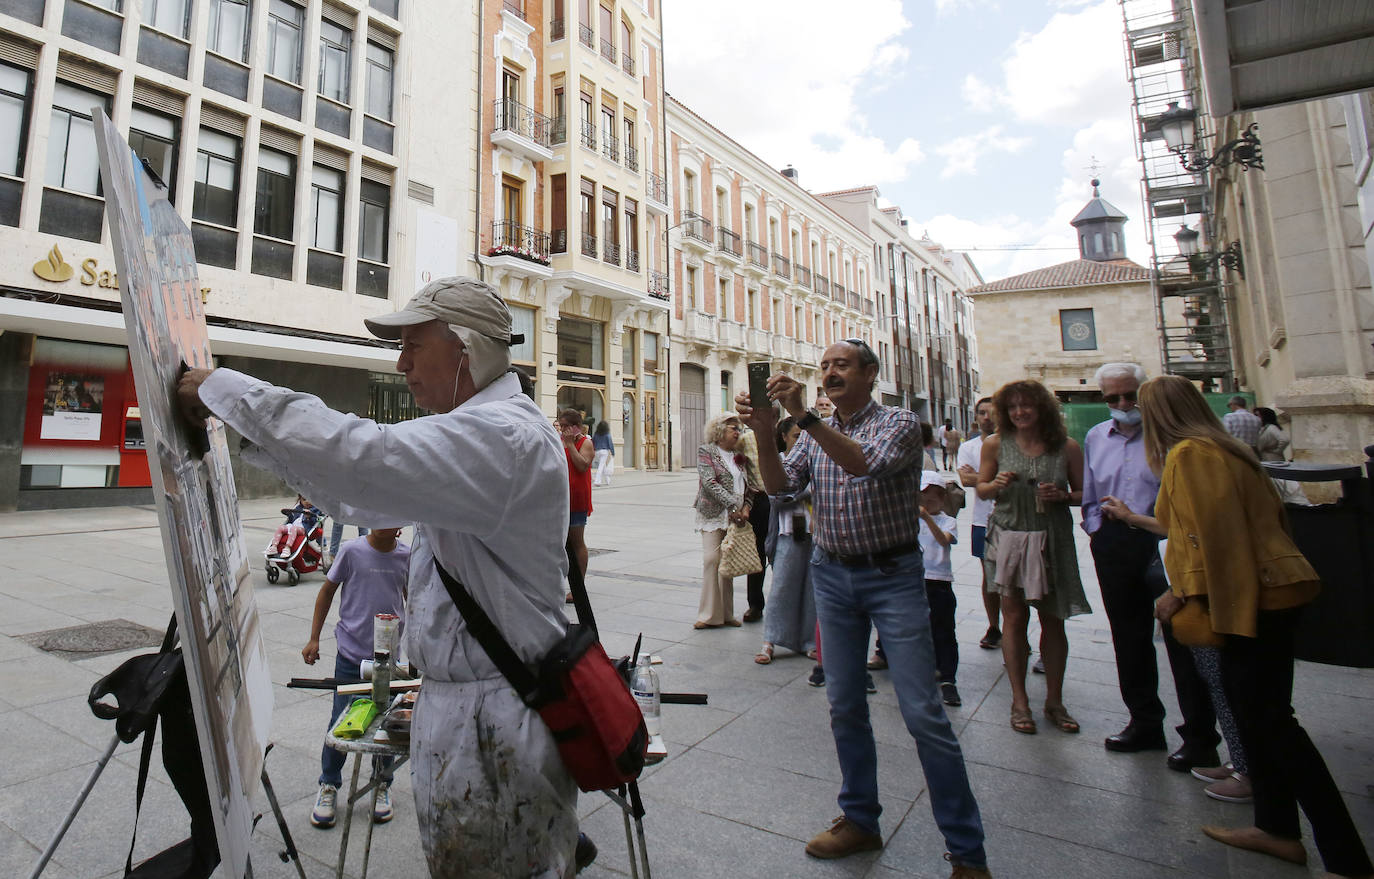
(871,513)
(1243,425)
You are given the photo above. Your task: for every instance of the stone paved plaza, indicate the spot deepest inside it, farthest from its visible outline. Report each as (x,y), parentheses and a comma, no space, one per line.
(748,779)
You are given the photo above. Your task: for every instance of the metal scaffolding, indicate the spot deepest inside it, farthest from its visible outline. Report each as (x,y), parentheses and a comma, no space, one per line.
(1190,296)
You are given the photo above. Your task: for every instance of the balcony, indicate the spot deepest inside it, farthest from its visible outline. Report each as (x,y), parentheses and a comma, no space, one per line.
(521,130)
(837,293)
(585,36)
(589,245)
(516,7)
(784,347)
(556,32)
(509,238)
(868,308)
(558,131)
(728,243)
(610,253)
(656,193)
(631,158)
(696,231)
(559,243)
(854,301)
(802,275)
(658,285)
(758,254)
(627,63)
(610,147)
(731,335)
(632,260)
(589,134)
(782,266)
(808,353)
(701,326)
(757,342)
(822,285)
(608,50)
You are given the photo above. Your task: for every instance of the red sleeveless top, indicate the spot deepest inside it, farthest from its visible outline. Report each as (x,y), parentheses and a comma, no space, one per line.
(579,484)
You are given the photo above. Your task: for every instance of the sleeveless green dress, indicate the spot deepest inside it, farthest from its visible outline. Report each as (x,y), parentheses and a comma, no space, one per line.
(1015,511)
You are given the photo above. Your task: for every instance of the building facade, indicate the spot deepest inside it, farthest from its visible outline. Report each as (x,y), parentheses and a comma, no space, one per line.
(762,270)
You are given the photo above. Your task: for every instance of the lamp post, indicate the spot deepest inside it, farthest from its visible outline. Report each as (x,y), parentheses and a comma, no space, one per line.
(1187,241)
(1178,126)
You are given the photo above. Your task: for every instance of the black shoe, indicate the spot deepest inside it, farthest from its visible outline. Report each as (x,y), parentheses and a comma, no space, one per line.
(585,852)
(817,678)
(868,683)
(949,694)
(1133,739)
(1188,756)
(752,616)
(992,639)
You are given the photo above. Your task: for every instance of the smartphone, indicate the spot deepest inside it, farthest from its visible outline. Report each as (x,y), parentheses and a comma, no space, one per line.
(758,383)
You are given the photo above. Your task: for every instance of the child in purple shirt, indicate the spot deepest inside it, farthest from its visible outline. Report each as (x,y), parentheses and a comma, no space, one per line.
(372,572)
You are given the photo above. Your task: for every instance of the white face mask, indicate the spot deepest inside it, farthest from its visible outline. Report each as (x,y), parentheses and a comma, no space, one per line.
(1128,416)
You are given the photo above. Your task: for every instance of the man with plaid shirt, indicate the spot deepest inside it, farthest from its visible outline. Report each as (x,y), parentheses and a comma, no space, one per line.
(864,468)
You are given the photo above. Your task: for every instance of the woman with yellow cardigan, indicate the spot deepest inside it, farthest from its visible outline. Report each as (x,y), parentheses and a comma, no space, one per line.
(1238,582)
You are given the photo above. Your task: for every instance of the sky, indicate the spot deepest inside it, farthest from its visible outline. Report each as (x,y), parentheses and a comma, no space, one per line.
(979,118)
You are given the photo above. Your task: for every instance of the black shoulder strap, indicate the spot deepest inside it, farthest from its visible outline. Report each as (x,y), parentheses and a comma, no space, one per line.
(169,640)
(581,602)
(491,639)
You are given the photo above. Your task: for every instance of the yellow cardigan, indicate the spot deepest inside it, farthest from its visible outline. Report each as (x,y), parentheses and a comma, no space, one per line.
(1227,538)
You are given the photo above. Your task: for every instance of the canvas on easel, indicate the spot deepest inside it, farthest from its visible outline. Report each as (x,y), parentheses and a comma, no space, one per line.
(193,487)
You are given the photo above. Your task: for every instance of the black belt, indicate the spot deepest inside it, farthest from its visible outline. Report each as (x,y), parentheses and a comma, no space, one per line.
(875,559)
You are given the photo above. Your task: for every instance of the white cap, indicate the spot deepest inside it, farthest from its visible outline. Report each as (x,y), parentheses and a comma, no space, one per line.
(931,477)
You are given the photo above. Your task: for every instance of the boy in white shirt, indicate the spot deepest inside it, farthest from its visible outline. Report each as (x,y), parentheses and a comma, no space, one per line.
(937,535)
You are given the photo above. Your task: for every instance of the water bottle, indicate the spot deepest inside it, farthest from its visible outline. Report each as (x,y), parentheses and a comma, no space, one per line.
(644,685)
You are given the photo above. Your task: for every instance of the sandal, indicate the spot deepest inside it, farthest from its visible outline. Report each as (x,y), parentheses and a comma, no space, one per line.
(1022,721)
(765,654)
(1060,717)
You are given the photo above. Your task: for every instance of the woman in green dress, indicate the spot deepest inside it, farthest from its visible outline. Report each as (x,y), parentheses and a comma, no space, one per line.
(1035,472)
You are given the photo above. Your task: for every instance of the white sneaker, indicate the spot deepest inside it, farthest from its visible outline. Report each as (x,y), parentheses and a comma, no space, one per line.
(323,813)
(381,813)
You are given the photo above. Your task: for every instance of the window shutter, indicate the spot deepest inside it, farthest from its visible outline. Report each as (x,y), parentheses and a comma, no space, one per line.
(384,38)
(342,17)
(281,141)
(377,173)
(330,158)
(20,53)
(221,120)
(91,76)
(156,99)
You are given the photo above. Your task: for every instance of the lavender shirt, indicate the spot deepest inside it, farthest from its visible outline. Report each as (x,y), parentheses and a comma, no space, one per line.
(1114,464)
(370,582)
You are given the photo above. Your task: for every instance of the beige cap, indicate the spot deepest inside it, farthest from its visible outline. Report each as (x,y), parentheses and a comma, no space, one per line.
(473,310)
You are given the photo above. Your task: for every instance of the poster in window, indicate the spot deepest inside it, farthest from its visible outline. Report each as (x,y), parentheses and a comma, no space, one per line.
(193,487)
(1078,329)
(71,407)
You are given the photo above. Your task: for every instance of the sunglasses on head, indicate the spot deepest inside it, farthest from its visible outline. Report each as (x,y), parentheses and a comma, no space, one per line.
(1113,399)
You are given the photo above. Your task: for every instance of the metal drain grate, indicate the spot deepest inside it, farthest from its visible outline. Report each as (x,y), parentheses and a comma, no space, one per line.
(94,639)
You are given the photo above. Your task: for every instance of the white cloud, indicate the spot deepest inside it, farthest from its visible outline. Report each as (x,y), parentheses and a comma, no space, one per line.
(962,154)
(793,84)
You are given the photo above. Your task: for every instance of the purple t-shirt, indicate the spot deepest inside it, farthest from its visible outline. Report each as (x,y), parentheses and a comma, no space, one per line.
(370,582)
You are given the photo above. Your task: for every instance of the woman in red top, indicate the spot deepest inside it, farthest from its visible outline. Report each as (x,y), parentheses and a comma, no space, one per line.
(578,447)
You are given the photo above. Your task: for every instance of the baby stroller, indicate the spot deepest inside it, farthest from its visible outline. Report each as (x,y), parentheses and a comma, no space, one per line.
(303,556)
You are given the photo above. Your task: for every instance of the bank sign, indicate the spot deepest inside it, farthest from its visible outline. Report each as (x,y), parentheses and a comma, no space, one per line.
(56,270)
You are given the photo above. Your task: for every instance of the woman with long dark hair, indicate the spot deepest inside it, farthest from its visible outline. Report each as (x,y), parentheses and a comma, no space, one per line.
(1237,580)
(1035,472)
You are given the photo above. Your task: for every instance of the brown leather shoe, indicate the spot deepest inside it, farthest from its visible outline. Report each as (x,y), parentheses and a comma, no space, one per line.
(843,839)
(964,871)
(1256,840)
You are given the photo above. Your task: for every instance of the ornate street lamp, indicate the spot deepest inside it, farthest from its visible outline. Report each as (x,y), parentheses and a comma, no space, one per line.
(1187,240)
(1178,125)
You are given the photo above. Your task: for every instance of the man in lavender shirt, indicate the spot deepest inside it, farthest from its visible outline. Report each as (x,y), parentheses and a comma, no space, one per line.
(1114,465)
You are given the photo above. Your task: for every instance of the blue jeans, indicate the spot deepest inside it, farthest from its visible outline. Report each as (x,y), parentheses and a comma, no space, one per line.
(336,537)
(332,761)
(849,600)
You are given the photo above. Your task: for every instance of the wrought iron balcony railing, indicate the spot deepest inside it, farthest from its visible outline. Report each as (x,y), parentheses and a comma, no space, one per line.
(658,188)
(632,260)
(559,243)
(729,242)
(588,245)
(758,254)
(611,252)
(516,6)
(696,226)
(608,50)
(782,266)
(627,61)
(589,134)
(515,117)
(558,130)
(822,285)
(556,32)
(631,158)
(658,284)
(610,147)
(803,275)
(509,238)
(586,36)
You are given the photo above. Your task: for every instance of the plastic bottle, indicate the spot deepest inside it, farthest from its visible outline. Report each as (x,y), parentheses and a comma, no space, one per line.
(644,686)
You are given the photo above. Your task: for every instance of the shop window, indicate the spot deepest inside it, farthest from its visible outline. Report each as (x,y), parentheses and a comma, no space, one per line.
(229,28)
(581,344)
(373,220)
(588,401)
(72,161)
(153,137)
(169,16)
(15,83)
(327,197)
(216,193)
(381,64)
(274,211)
(335,47)
(285,22)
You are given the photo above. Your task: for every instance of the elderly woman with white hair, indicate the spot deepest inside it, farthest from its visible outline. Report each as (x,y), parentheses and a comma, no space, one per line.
(724,483)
